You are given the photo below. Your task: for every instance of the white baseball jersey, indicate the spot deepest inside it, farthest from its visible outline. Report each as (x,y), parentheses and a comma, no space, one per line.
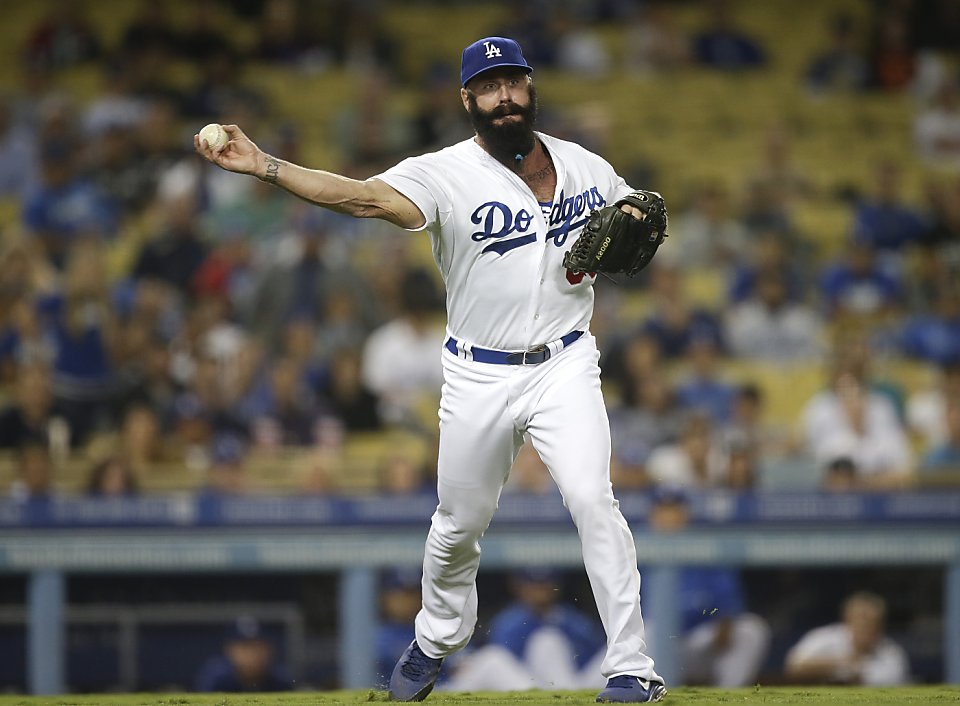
(501,255)
(498,249)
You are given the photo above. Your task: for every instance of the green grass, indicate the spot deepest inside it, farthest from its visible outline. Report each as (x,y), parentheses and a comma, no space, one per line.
(773,696)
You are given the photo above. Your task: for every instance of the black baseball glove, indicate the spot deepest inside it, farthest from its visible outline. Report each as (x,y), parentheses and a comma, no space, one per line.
(613,241)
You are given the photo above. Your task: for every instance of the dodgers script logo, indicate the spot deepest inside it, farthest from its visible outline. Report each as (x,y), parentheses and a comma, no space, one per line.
(567,213)
(492,50)
(497,221)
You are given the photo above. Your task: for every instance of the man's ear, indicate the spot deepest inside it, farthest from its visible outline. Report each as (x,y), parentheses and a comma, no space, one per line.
(464,96)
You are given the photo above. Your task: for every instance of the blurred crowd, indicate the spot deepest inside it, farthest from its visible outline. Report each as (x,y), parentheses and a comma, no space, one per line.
(540,638)
(157,313)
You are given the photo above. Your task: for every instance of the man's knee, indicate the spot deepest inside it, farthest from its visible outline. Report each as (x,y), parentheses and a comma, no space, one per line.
(590,500)
(464,527)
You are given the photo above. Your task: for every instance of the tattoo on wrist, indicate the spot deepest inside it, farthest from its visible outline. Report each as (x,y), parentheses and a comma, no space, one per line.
(273,170)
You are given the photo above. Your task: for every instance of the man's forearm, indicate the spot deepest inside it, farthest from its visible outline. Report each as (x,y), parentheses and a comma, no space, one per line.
(333,191)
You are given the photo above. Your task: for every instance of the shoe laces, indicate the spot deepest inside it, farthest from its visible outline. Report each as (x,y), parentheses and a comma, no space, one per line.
(417,664)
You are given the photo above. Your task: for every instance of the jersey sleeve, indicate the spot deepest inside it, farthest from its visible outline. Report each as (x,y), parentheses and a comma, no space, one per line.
(417,178)
(620,188)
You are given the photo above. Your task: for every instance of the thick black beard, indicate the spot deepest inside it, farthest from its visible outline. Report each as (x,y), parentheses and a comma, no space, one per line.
(508,140)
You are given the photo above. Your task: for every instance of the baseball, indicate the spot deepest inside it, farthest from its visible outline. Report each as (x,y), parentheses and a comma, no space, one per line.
(215,135)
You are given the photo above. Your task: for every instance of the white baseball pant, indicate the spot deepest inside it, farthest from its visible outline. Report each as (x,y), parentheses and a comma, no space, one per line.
(485,409)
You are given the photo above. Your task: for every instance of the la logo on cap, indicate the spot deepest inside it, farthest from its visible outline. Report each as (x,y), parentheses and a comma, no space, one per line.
(488,53)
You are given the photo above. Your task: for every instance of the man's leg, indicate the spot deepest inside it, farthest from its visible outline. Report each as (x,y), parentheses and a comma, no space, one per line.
(568,426)
(478,443)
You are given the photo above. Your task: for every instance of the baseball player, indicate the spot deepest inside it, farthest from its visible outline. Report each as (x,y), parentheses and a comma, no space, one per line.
(501,209)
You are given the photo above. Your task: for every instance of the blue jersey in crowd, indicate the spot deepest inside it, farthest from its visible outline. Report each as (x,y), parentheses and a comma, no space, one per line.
(888,226)
(709,593)
(513,627)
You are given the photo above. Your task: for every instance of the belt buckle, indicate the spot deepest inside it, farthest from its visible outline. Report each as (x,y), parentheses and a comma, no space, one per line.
(539,349)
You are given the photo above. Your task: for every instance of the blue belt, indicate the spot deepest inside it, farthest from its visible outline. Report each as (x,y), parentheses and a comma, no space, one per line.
(534,356)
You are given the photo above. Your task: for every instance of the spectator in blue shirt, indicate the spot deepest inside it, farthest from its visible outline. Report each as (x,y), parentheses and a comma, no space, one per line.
(535,643)
(176,252)
(63,207)
(858,287)
(723,46)
(842,66)
(675,323)
(80,325)
(935,337)
(703,390)
(770,255)
(884,221)
(280,409)
(536,608)
(248,663)
(678,328)
(946,456)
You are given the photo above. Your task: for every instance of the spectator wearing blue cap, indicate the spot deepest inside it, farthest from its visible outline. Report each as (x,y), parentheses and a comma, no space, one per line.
(248,663)
(227,475)
(399,605)
(723,644)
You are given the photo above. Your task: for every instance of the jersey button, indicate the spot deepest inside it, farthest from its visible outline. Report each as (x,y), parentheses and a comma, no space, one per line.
(536,316)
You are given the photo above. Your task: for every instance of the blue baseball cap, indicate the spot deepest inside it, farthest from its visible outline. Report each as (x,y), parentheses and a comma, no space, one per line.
(490,53)
(244,628)
(538,574)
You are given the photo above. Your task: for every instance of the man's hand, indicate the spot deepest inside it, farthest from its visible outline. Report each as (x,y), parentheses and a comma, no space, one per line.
(633,211)
(240,154)
(621,238)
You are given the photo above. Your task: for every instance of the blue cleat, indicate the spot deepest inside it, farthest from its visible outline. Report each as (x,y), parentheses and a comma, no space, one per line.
(631,690)
(414,676)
